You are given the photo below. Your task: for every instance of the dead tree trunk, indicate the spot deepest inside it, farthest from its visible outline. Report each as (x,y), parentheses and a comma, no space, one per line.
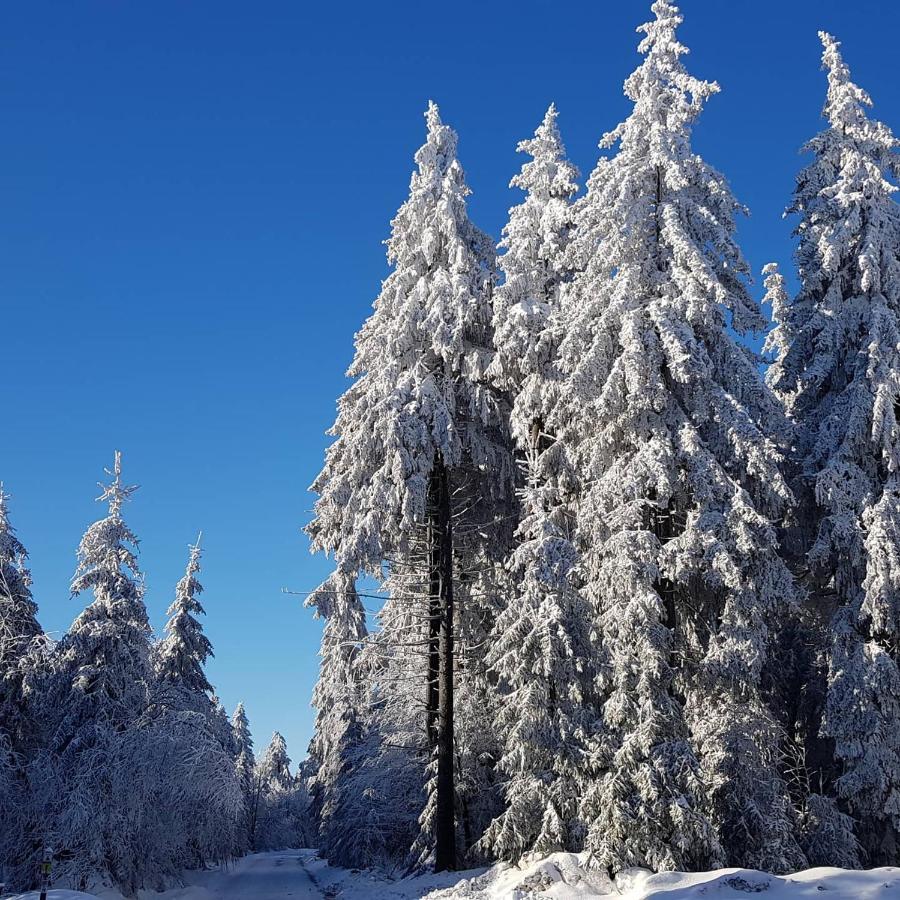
(444,819)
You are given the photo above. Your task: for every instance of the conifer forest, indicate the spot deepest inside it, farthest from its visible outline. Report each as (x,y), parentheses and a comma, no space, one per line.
(614,546)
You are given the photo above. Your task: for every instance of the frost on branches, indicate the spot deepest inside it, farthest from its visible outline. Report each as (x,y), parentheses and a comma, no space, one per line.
(535,267)
(666,419)
(840,379)
(419,394)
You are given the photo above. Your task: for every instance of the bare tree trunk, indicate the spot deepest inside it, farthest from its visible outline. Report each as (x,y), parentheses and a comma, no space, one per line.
(445,825)
(434,604)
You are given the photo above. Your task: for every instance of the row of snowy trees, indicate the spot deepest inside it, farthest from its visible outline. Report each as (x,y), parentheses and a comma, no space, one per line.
(633,597)
(114,750)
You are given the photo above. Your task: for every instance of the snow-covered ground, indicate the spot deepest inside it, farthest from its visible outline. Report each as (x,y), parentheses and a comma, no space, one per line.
(301,875)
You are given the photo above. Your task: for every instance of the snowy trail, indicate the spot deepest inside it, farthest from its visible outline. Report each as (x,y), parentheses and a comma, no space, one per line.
(262,876)
(271,876)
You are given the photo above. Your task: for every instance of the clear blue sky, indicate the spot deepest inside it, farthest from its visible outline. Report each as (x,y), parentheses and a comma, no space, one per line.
(193,197)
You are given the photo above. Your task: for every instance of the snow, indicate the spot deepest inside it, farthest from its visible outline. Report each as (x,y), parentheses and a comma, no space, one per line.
(564,876)
(56,895)
(301,874)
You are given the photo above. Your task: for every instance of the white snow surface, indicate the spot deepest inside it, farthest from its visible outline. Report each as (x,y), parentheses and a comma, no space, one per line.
(302,875)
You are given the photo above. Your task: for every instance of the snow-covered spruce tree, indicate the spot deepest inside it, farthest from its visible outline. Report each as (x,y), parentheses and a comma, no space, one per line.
(19,629)
(541,655)
(106,651)
(665,416)
(96,689)
(337,698)
(798,668)
(280,820)
(535,265)
(420,428)
(185,713)
(245,766)
(839,376)
(540,647)
(180,657)
(21,650)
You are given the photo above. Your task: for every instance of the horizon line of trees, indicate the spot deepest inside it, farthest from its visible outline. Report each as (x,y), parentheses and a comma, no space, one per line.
(115,752)
(633,597)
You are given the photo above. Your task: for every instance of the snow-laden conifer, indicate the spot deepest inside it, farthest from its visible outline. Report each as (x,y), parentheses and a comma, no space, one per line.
(419,393)
(840,380)
(245,767)
(281,818)
(539,649)
(22,651)
(104,658)
(535,265)
(19,628)
(419,443)
(541,655)
(246,761)
(666,418)
(90,702)
(338,698)
(180,657)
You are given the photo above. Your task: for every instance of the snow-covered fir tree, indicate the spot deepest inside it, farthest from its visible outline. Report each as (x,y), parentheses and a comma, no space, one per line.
(338,698)
(19,628)
(541,655)
(839,376)
(540,647)
(22,649)
(535,265)
(666,418)
(97,688)
(180,657)
(185,710)
(420,440)
(245,766)
(104,658)
(109,750)
(281,814)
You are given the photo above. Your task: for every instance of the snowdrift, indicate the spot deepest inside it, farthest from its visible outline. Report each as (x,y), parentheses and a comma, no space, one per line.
(563,876)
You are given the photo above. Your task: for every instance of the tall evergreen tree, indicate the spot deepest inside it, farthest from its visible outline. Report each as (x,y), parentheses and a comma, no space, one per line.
(535,266)
(540,650)
(105,655)
(281,812)
(19,628)
(839,376)
(666,418)
(180,657)
(245,766)
(337,697)
(420,427)
(96,690)
(22,649)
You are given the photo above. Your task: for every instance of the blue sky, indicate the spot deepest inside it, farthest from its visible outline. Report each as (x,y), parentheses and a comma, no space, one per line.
(193,197)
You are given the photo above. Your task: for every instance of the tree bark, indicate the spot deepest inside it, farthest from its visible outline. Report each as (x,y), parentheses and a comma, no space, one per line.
(445,825)
(434,604)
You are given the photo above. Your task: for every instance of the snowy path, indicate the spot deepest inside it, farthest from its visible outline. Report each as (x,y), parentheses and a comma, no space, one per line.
(270,876)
